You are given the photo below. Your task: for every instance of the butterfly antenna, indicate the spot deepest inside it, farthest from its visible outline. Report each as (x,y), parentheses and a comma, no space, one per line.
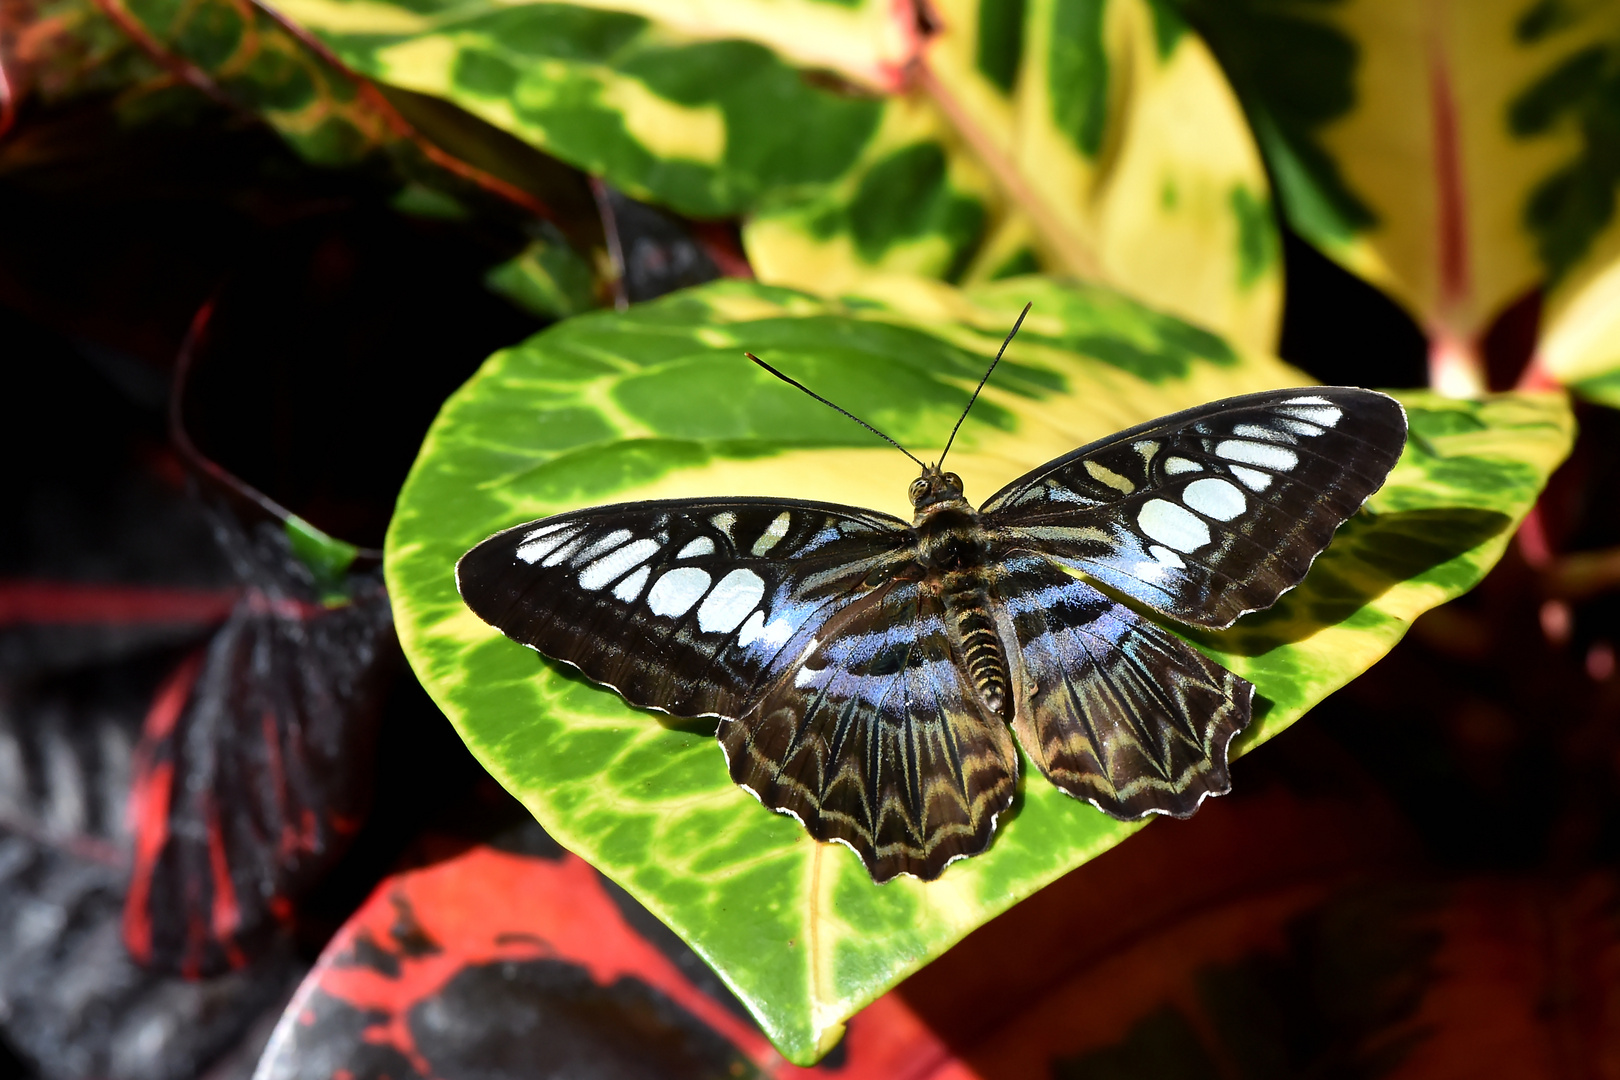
(982,381)
(830,405)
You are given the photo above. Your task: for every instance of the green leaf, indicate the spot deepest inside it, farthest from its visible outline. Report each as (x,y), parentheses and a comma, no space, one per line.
(1089,137)
(547,278)
(658,401)
(327,557)
(1603,389)
(1456,156)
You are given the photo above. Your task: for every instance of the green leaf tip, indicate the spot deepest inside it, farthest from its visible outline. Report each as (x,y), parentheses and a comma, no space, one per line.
(327,557)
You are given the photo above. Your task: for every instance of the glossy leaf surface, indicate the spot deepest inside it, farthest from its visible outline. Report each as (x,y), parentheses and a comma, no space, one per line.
(1456,155)
(1091,139)
(658,402)
(518,960)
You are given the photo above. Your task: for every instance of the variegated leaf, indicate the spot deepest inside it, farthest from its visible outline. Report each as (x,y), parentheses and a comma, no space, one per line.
(658,402)
(1096,139)
(1455,155)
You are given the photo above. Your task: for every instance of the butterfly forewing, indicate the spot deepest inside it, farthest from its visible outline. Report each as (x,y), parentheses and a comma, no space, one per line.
(1212,512)
(877,739)
(685,605)
(1113,708)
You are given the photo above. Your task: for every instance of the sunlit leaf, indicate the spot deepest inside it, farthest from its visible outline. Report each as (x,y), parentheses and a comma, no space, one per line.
(1096,139)
(1456,155)
(658,401)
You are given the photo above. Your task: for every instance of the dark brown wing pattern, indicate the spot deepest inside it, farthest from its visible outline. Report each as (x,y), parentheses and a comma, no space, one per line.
(801,625)
(877,740)
(1211,512)
(688,606)
(1112,708)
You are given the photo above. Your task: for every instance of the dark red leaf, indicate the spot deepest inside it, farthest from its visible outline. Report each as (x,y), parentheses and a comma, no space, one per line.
(73,1004)
(496,963)
(253,770)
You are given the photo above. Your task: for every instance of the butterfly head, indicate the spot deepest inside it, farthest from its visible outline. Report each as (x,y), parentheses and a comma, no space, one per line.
(934,487)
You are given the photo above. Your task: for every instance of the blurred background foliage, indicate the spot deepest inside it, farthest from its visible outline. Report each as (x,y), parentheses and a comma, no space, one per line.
(325,215)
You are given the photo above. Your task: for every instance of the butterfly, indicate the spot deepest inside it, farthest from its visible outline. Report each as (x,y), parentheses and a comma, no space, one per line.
(870,675)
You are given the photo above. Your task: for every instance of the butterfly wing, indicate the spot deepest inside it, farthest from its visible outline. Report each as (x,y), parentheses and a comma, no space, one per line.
(1111,707)
(876,739)
(691,606)
(1212,512)
(804,626)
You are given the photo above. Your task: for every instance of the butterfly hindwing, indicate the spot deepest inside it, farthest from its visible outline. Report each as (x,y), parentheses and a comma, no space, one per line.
(1111,707)
(683,605)
(1211,512)
(877,740)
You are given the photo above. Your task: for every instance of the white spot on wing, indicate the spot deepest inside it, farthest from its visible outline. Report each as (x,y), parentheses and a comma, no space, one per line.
(1216,498)
(605,544)
(1323,414)
(806,676)
(1253,479)
(630,588)
(752,630)
(1056,492)
(701,546)
(1299,427)
(613,566)
(773,532)
(1175,466)
(1172,525)
(547,530)
(774,634)
(571,542)
(677,591)
(1278,458)
(1166,556)
(725,520)
(730,602)
(544,543)
(1312,399)
(1260,431)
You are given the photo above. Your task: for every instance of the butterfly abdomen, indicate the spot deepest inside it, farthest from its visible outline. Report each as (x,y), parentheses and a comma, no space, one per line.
(981,648)
(951,544)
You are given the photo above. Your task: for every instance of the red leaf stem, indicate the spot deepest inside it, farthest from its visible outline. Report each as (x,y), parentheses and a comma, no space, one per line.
(1456,364)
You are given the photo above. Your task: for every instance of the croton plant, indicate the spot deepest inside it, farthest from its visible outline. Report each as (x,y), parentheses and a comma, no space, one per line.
(866,193)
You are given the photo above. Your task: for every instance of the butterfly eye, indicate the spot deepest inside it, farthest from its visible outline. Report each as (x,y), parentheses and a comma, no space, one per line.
(919,488)
(953,480)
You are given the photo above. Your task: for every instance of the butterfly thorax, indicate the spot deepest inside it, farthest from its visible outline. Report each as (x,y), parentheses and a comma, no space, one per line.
(952,550)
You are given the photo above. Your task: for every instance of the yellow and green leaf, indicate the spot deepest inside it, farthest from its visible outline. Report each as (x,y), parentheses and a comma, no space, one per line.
(658,401)
(1094,138)
(1456,155)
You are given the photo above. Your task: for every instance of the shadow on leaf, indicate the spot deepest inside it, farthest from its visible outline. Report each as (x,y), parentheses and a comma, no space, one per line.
(1371,555)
